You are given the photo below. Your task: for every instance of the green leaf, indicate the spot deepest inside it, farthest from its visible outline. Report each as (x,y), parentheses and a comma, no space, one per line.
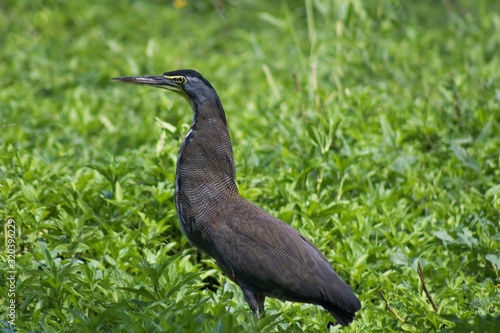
(165,125)
(459,152)
(493,191)
(485,132)
(494,259)
(443,235)
(118,192)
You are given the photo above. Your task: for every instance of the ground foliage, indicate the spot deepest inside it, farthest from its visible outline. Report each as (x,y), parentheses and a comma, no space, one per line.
(370,126)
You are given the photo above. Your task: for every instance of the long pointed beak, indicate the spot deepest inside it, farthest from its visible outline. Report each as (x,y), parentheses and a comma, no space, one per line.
(155,81)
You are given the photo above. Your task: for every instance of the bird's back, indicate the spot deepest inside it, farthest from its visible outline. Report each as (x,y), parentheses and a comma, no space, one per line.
(253,247)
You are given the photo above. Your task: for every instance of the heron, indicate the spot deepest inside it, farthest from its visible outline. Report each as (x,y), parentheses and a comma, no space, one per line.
(263,255)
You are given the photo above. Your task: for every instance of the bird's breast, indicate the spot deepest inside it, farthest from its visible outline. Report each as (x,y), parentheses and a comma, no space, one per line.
(204,179)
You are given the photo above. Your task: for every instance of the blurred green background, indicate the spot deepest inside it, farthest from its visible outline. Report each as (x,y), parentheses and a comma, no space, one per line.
(369,126)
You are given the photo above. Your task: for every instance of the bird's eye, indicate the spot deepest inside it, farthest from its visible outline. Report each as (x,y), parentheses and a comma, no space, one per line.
(180,80)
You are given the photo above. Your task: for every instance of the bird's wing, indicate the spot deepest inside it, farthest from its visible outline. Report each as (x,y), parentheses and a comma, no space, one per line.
(255,247)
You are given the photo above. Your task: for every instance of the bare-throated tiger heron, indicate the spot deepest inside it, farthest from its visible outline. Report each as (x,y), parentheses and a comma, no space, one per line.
(263,255)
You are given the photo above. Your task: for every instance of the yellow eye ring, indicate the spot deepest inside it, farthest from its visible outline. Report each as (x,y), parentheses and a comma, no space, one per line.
(180,80)
(177,79)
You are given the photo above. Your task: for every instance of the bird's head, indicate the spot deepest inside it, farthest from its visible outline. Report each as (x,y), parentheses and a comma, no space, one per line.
(185,82)
(188,83)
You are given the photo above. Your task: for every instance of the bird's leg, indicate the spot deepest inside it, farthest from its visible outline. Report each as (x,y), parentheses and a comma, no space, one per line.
(331,324)
(254,299)
(260,301)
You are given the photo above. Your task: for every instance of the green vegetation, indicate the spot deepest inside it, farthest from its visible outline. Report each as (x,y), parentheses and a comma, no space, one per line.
(369,126)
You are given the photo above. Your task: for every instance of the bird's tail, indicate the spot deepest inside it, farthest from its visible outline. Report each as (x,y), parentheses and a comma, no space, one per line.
(343,305)
(342,316)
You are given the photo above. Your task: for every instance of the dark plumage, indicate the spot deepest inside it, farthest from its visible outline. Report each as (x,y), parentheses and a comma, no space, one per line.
(263,255)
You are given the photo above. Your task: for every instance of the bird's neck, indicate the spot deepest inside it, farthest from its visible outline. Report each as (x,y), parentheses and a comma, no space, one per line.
(208,108)
(205,166)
